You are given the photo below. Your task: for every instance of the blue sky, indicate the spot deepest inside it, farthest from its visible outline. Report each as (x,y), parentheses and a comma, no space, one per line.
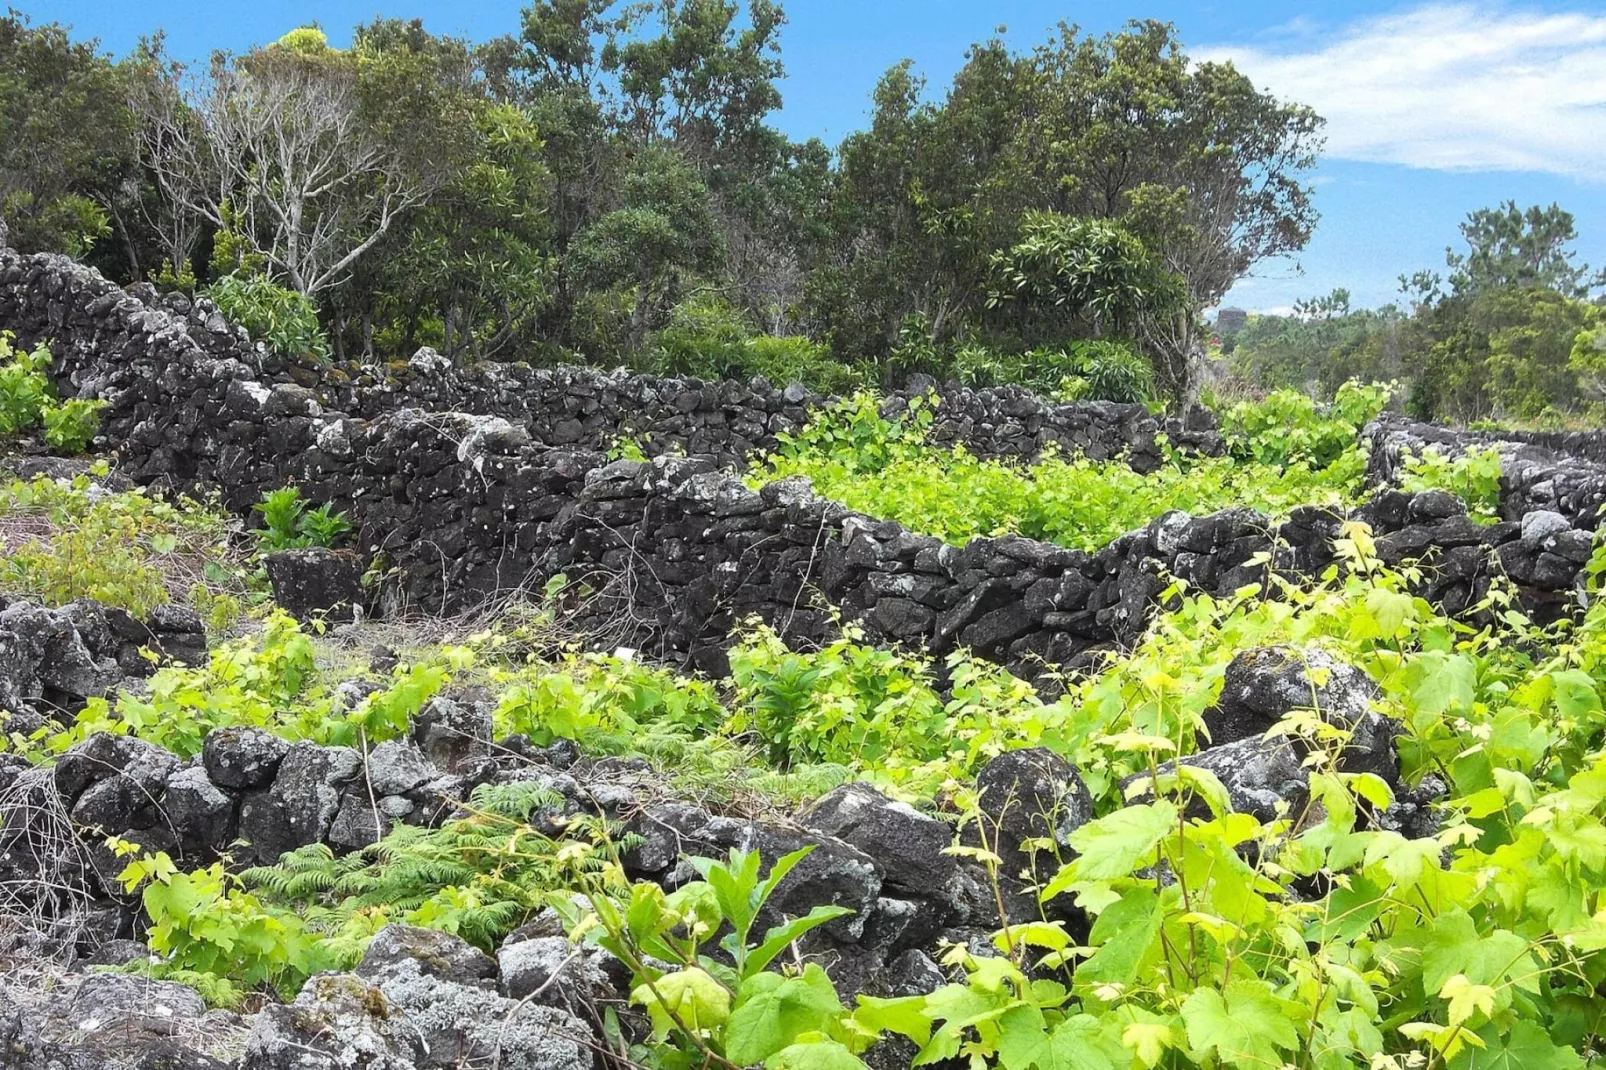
(1434,109)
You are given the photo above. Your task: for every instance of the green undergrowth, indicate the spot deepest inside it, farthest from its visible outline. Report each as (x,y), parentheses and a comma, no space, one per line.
(66,539)
(1284,453)
(28,400)
(1318,939)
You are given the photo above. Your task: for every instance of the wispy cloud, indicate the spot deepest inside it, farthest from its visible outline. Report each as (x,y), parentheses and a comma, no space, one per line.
(1450,87)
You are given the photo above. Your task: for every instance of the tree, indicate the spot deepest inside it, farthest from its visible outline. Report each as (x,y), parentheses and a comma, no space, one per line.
(1510,247)
(1083,277)
(66,150)
(1188,157)
(660,238)
(306,154)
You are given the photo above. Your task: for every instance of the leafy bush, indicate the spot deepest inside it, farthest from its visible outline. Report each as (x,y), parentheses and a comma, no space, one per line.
(28,400)
(718,999)
(71,426)
(711,339)
(288,524)
(284,319)
(1109,371)
(1473,476)
(883,466)
(25,391)
(1289,428)
(68,540)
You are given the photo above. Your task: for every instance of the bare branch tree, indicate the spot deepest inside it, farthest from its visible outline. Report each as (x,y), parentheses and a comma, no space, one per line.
(274,147)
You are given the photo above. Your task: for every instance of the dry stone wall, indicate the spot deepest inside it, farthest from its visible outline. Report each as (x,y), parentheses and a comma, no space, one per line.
(1553,473)
(466,507)
(138,350)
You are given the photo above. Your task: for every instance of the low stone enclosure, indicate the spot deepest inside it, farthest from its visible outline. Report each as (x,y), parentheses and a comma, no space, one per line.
(468,507)
(475,484)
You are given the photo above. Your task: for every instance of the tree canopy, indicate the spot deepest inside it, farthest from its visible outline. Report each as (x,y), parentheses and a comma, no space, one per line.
(560,191)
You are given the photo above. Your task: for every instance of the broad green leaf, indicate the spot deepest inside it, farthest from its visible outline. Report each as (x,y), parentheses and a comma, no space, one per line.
(818,1054)
(1116,844)
(1522,1046)
(1245,1023)
(772,1011)
(689,998)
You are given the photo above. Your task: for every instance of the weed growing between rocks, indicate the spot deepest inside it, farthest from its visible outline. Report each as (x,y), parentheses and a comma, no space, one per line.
(67,539)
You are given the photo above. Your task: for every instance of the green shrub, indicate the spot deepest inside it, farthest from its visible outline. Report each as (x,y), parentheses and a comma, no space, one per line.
(885,468)
(71,426)
(28,400)
(1474,477)
(1110,371)
(1092,370)
(1289,428)
(127,550)
(711,339)
(284,319)
(288,524)
(25,390)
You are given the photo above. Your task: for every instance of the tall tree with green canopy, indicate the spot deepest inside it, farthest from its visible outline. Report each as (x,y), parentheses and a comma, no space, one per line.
(66,138)
(1510,246)
(1189,157)
(655,244)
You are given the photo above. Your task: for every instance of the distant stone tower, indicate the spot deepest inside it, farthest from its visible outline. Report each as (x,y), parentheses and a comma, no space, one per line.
(1230,321)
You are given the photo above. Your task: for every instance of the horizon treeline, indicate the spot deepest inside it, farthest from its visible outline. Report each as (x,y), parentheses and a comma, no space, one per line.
(604,183)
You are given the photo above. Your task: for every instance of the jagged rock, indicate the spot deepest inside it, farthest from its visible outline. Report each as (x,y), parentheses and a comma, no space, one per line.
(1028,794)
(118,953)
(437,954)
(316,582)
(564,976)
(396,767)
(907,845)
(1261,686)
(107,1002)
(912,973)
(337,1022)
(244,759)
(832,874)
(201,814)
(105,755)
(1264,777)
(301,804)
(358,823)
(466,1025)
(49,652)
(451,733)
(1539,526)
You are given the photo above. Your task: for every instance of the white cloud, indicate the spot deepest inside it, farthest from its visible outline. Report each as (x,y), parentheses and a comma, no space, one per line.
(1449,87)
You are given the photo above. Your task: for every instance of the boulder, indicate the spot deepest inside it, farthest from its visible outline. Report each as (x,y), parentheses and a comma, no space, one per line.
(906,844)
(1263,685)
(436,954)
(316,582)
(396,767)
(143,766)
(1264,777)
(200,813)
(832,874)
(125,1002)
(302,803)
(337,1022)
(244,759)
(451,733)
(551,971)
(1028,794)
